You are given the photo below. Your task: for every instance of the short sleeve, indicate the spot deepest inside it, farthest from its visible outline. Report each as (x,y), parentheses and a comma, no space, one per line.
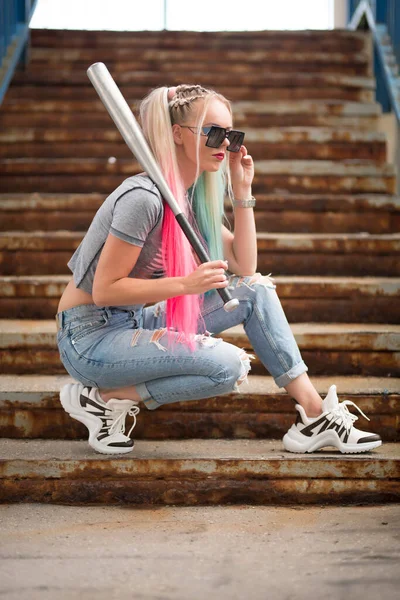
(135,214)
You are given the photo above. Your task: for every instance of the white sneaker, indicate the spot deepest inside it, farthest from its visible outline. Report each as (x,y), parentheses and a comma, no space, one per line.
(104,420)
(334,427)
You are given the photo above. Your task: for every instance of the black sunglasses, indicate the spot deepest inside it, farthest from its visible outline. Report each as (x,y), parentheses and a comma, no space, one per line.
(216,135)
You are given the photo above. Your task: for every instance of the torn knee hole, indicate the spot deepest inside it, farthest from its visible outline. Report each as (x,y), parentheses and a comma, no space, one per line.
(158,309)
(245,368)
(255,278)
(265,280)
(204,339)
(235,282)
(156,335)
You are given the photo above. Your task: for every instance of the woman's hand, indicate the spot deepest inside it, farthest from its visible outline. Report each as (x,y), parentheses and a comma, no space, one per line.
(207,276)
(242,173)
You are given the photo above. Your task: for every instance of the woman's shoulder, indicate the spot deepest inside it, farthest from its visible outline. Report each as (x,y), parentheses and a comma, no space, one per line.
(141,181)
(138,190)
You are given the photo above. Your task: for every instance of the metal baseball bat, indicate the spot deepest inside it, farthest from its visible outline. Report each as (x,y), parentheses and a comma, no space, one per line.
(130,130)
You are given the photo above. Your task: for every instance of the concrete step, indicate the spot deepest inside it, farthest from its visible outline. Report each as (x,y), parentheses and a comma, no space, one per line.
(56,108)
(121,59)
(170,66)
(265,63)
(326,213)
(332,348)
(336,86)
(28,346)
(35,99)
(274,213)
(30,408)
(323,175)
(273,143)
(103,175)
(47,253)
(279,106)
(344,41)
(320,92)
(304,112)
(189,472)
(304,299)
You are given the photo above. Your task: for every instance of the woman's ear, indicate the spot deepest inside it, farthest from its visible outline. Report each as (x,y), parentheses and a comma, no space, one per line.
(177,134)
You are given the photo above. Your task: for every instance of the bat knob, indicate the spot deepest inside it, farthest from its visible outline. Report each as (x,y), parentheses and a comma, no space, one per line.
(231,305)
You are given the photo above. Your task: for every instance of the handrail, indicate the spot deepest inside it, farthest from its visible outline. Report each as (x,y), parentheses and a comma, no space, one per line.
(382,20)
(15,16)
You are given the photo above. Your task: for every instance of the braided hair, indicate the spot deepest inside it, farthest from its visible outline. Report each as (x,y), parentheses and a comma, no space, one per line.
(158,112)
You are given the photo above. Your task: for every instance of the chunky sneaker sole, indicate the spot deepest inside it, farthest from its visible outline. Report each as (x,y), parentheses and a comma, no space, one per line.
(295,441)
(73,401)
(334,427)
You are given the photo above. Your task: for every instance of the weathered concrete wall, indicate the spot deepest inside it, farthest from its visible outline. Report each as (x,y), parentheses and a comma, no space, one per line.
(340,14)
(387,124)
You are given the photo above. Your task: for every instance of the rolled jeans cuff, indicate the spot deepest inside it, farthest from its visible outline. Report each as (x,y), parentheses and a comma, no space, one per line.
(147,400)
(289,376)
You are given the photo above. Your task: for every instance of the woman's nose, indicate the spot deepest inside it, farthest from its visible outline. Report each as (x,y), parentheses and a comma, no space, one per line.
(226,142)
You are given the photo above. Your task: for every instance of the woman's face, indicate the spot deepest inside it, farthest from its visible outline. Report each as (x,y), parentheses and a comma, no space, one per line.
(210,158)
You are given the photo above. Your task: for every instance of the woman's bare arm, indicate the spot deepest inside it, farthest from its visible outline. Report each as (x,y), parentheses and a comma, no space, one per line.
(240,249)
(113,287)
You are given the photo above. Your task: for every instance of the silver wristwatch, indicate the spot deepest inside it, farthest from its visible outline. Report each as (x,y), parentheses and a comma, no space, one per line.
(249,203)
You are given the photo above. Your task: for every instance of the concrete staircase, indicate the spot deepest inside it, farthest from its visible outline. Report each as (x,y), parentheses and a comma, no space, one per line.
(328,229)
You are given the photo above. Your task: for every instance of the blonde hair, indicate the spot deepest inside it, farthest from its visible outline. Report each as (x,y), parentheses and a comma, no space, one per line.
(158,131)
(205,205)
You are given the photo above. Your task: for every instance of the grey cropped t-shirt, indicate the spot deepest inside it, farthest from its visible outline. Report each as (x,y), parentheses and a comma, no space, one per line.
(134,213)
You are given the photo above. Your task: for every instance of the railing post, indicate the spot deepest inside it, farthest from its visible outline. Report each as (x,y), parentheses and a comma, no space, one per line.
(25,6)
(394,30)
(15,16)
(165,13)
(373,7)
(381,11)
(352,5)
(384,34)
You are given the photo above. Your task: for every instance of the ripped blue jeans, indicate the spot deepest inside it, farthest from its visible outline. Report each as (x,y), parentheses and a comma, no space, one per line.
(112,348)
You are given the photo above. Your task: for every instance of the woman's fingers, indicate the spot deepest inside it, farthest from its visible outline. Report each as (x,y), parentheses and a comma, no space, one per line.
(237,156)
(215,264)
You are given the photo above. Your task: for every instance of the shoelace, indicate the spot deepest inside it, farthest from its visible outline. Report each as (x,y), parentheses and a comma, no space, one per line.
(343,413)
(118,426)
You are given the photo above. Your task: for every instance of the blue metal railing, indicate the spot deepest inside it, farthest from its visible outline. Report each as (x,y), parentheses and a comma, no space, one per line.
(382,18)
(15,16)
(388,12)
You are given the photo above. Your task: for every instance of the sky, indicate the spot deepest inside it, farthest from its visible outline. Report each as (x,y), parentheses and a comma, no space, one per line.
(198,15)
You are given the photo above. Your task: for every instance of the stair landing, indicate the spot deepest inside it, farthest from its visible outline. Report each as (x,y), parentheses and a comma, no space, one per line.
(195,472)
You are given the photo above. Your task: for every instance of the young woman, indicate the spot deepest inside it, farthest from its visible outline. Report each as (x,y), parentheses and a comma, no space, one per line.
(122,352)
